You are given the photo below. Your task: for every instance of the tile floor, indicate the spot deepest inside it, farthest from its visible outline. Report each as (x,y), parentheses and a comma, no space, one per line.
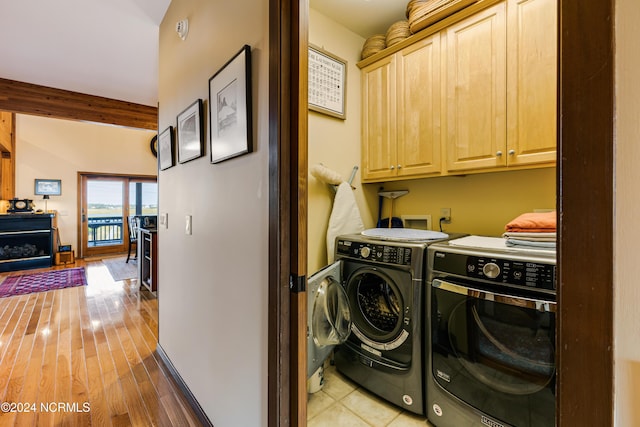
(342,403)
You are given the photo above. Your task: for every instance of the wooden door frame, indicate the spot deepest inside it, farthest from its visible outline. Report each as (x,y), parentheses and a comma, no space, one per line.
(585,170)
(585,212)
(81,197)
(288,113)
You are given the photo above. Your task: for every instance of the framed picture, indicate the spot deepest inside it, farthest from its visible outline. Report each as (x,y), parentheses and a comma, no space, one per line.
(230,108)
(48,187)
(327,83)
(166,153)
(190,134)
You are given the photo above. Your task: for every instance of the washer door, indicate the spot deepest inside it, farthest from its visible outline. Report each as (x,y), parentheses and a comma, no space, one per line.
(329,315)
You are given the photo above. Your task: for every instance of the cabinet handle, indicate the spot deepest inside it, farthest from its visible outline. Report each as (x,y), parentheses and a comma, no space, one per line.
(391,167)
(512,152)
(399,166)
(499,153)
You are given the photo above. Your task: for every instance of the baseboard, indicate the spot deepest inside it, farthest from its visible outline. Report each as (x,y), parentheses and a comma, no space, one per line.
(175,376)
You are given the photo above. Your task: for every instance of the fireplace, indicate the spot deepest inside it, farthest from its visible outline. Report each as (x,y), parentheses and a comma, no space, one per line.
(26,241)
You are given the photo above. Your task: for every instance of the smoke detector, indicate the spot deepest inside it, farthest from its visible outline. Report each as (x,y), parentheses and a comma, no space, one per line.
(182,28)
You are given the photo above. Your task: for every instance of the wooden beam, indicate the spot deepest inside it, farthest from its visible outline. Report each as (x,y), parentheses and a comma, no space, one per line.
(7,159)
(6,132)
(27,98)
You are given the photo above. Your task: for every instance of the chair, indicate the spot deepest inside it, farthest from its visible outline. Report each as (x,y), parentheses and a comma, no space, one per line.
(134,224)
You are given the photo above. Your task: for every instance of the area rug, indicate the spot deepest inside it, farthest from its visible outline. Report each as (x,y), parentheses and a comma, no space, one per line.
(121,270)
(42,282)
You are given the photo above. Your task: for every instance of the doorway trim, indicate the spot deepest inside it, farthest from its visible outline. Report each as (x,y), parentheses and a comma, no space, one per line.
(288,32)
(585,211)
(584,202)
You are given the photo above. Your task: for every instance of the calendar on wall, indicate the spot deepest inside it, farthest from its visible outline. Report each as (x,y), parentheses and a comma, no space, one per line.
(327,83)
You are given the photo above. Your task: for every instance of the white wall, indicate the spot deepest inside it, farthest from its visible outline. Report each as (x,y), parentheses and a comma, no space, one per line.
(627,206)
(59,149)
(213,287)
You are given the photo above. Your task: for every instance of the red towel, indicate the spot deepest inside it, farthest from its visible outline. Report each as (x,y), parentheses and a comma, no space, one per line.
(532,222)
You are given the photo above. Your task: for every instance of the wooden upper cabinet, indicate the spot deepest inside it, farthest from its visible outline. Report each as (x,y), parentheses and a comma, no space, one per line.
(532,81)
(401,113)
(379,158)
(477,94)
(475,87)
(418,109)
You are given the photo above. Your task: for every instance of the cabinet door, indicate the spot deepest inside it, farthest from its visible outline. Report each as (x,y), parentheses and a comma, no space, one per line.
(418,108)
(532,81)
(475,86)
(379,120)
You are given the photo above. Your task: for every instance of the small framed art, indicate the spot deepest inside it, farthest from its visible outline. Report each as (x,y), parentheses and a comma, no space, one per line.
(47,187)
(166,152)
(230,108)
(327,83)
(190,133)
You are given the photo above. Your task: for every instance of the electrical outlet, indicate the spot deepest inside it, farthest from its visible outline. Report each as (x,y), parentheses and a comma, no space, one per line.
(446,214)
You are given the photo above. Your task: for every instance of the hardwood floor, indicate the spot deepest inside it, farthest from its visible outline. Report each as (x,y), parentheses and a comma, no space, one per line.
(85,356)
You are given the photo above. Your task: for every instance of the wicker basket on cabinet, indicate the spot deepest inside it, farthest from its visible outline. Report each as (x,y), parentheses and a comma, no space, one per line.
(422,13)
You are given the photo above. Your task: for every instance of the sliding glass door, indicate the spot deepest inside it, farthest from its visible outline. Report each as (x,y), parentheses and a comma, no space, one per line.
(143,197)
(106,203)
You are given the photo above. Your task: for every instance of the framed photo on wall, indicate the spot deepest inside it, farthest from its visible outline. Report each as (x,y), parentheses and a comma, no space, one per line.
(190,133)
(327,83)
(230,115)
(47,187)
(166,152)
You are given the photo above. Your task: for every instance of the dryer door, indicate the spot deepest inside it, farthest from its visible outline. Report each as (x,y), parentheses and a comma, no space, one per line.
(329,318)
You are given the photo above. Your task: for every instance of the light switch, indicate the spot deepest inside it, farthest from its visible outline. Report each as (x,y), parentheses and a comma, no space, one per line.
(164,220)
(187,226)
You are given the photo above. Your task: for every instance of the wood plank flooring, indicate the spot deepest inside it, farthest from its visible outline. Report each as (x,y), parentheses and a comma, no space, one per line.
(85,356)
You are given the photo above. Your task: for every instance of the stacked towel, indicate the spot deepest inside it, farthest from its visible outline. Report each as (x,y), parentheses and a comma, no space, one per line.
(532,229)
(533,222)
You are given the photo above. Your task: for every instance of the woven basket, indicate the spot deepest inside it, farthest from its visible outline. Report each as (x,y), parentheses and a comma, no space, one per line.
(419,3)
(398,32)
(373,45)
(423,14)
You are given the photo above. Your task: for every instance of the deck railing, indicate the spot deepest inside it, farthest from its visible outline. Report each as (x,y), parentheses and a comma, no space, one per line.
(105,230)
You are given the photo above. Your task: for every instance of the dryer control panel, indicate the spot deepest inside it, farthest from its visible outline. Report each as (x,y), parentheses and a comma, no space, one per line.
(508,271)
(373,252)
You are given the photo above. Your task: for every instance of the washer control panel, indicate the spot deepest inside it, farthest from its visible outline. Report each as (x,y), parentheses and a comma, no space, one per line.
(373,252)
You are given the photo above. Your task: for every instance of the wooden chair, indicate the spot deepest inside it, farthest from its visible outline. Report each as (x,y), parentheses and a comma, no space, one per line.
(134,224)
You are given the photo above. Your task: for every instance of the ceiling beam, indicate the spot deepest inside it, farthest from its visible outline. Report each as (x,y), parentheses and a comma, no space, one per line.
(27,98)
